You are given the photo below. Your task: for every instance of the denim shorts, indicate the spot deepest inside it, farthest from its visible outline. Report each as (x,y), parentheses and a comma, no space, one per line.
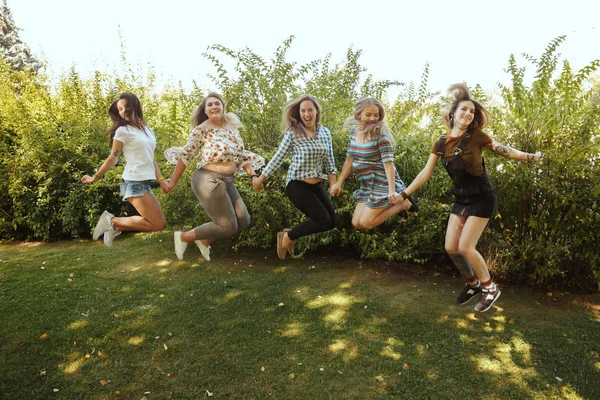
(134,189)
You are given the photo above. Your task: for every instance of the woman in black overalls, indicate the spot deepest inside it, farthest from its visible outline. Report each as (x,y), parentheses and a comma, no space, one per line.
(475,199)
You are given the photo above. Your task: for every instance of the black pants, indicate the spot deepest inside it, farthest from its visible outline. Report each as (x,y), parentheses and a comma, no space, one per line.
(314,202)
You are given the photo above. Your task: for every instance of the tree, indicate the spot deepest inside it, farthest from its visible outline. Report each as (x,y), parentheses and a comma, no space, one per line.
(13,50)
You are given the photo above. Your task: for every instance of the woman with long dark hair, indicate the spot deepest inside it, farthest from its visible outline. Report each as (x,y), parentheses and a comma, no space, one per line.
(130,134)
(475,199)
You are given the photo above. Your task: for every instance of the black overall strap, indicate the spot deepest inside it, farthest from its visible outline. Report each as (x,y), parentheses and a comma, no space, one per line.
(463,143)
(440,151)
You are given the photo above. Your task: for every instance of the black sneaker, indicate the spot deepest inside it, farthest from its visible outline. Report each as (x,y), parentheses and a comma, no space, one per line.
(487,299)
(468,293)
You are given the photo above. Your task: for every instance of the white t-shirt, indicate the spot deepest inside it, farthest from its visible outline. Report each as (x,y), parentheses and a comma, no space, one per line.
(138,149)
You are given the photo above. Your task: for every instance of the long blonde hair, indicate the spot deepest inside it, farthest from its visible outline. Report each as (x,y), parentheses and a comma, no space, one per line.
(372,131)
(290,119)
(199,113)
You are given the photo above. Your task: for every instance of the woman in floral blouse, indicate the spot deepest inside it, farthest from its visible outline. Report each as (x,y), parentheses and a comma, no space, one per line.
(217,146)
(308,144)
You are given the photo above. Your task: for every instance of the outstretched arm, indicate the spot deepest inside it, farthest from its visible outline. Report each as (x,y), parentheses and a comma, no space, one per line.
(423,176)
(110,162)
(514,154)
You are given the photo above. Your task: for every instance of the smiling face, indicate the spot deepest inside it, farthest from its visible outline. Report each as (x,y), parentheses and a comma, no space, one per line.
(464,114)
(308,113)
(369,115)
(213,108)
(122,107)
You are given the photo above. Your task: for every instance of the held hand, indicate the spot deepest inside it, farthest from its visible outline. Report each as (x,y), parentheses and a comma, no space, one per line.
(89,179)
(256,185)
(335,190)
(167,186)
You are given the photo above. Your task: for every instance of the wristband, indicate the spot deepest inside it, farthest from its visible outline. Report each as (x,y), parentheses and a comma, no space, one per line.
(403,195)
(162,178)
(253,176)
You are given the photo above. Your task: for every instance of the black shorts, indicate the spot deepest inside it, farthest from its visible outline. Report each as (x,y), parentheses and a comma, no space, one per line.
(483,207)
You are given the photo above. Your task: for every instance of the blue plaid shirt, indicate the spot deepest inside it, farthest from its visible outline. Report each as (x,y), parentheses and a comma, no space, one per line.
(310,158)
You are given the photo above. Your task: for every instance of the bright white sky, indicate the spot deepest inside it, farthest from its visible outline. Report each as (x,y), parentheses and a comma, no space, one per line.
(462,40)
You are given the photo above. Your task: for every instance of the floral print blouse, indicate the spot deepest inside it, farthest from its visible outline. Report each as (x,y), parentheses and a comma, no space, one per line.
(214,146)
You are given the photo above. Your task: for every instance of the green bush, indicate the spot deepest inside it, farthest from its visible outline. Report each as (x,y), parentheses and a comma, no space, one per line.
(53,132)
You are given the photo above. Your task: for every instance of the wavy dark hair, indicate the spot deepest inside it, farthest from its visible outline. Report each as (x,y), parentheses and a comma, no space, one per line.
(133,112)
(482,117)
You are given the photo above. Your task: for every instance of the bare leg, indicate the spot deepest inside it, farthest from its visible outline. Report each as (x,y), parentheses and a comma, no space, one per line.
(360,207)
(369,218)
(151,217)
(462,236)
(389,212)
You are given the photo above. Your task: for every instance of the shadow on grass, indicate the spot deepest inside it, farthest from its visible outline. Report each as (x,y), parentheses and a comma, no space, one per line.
(82,321)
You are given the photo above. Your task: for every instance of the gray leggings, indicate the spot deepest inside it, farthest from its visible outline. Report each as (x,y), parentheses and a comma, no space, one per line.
(222,203)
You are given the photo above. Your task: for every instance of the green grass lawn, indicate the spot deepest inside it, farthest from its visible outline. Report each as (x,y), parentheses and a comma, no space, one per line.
(80,321)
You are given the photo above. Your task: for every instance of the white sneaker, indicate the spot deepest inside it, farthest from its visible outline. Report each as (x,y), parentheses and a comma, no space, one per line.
(179,245)
(110,235)
(103,225)
(205,250)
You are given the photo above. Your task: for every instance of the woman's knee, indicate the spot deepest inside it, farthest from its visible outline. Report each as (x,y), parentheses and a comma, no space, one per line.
(243,222)
(451,248)
(159,225)
(325,224)
(466,250)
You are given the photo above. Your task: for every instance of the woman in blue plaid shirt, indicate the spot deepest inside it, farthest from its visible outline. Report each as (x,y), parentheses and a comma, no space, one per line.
(308,144)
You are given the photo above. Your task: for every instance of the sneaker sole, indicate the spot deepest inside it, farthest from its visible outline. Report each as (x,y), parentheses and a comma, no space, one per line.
(492,303)
(97,231)
(281,252)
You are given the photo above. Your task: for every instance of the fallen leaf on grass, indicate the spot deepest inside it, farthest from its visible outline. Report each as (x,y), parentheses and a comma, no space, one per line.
(209,394)
(71,275)
(380,378)
(559,379)
(165,346)
(55,390)
(161,295)
(291,376)
(104,382)
(43,372)
(44,336)
(87,355)
(262,369)
(405,367)
(280,304)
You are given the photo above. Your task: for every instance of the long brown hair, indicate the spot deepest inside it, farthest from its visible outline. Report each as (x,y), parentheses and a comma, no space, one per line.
(290,118)
(133,111)
(481,118)
(199,113)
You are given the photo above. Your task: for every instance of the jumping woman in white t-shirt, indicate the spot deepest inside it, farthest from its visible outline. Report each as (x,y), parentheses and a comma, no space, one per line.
(130,134)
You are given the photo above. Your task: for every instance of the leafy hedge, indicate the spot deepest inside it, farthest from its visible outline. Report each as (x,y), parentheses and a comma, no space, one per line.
(52,133)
